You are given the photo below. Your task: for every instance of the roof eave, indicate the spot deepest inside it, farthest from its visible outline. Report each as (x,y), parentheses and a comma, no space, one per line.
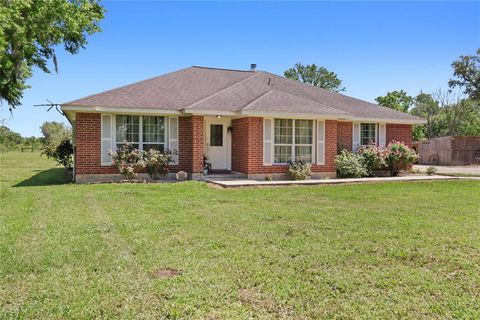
(389,120)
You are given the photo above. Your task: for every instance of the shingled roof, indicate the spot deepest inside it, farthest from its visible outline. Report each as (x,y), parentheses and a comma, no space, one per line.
(237,91)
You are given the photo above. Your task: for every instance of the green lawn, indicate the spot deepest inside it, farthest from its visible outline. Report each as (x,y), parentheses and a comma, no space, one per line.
(391,250)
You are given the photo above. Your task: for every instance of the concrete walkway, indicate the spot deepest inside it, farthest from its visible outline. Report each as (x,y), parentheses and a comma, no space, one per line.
(239,182)
(468,170)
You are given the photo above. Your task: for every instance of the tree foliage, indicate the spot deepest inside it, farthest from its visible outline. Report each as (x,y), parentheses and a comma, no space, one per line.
(447,113)
(63,153)
(397,100)
(315,76)
(9,139)
(29,32)
(466,72)
(426,107)
(53,135)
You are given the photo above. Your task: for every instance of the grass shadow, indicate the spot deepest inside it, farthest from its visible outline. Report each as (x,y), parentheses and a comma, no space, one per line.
(48,177)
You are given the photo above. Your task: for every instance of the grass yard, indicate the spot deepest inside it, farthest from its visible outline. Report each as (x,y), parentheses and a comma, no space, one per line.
(391,250)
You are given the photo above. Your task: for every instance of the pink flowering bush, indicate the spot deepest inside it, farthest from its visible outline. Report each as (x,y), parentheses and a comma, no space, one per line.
(157,162)
(128,160)
(371,157)
(363,162)
(398,157)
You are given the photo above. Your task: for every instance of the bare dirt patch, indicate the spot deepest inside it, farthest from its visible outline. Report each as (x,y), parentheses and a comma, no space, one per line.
(166,273)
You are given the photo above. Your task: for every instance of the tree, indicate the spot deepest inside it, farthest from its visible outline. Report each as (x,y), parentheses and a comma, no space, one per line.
(29,32)
(426,107)
(54,133)
(466,71)
(457,112)
(9,139)
(397,100)
(315,76)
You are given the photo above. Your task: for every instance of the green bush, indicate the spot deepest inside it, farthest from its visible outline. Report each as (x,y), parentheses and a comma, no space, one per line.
(371,158)
(156,162)
(299,170)
(398,157)
(350,165)
(128,160)
(431,170)
(63,154)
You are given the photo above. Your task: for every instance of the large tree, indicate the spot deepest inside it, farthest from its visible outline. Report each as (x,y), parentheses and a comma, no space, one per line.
(466,72)
(30,30)
(427,107)
(398,100)
(54,133)
(315,76)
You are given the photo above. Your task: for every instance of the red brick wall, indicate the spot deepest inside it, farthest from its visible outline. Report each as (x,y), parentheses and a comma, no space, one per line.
(190,142)
(399,132)
(247,147)
(247,144)
(87,145)
(344,135)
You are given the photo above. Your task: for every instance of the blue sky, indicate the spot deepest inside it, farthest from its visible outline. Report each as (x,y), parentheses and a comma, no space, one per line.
(374,47)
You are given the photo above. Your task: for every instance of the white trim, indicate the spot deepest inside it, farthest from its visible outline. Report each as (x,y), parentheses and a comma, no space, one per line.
(170,140)
(382,134)
(387,120)
(102,139)
(120,110)
(375,134)
(209,112)
(268,143)
(356,132)
(320,143)
(272,114)
(293,144)
(140,141)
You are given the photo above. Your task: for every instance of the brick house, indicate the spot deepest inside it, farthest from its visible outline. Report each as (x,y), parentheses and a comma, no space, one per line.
(250,122)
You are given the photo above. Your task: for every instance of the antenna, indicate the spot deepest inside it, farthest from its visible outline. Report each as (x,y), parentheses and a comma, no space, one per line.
(51,105)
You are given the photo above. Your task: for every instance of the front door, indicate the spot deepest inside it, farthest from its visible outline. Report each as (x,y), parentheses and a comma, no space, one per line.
(217,143)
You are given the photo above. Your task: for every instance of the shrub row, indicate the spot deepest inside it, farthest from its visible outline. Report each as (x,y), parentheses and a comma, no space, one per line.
(395,157)
(129,161)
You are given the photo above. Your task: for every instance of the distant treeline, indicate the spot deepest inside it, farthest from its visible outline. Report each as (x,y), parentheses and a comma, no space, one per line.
(53,133)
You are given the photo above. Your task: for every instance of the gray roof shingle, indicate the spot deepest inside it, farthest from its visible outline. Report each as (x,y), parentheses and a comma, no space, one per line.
(201,88)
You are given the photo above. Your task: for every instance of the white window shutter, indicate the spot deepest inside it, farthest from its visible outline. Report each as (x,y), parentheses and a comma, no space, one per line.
(356,136)
(106,139)
(173,137)
(320,142)
(382,135)
(267,142)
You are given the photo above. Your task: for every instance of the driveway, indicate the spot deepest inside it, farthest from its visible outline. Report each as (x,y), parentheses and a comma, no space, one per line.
(467,170)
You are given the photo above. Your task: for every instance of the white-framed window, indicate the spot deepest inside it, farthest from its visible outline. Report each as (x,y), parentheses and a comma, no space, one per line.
(293,140)
(143,132)
(153,133)
(368,134)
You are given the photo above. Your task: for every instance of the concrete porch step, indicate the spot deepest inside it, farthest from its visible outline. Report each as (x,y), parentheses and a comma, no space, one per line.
(224,176)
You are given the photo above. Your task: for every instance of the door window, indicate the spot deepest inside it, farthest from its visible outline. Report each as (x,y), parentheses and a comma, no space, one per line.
(216,135)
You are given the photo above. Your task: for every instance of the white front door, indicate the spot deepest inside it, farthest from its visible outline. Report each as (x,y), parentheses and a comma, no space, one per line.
(217,143)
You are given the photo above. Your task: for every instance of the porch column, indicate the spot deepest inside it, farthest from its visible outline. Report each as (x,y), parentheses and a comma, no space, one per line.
(191,145)
(247,145)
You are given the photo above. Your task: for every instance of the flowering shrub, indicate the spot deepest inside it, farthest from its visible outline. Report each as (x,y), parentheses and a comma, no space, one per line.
(398,156)
(299,170)
(350,165)
(363,162)
(128,160)
(372,158)
(157,162)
